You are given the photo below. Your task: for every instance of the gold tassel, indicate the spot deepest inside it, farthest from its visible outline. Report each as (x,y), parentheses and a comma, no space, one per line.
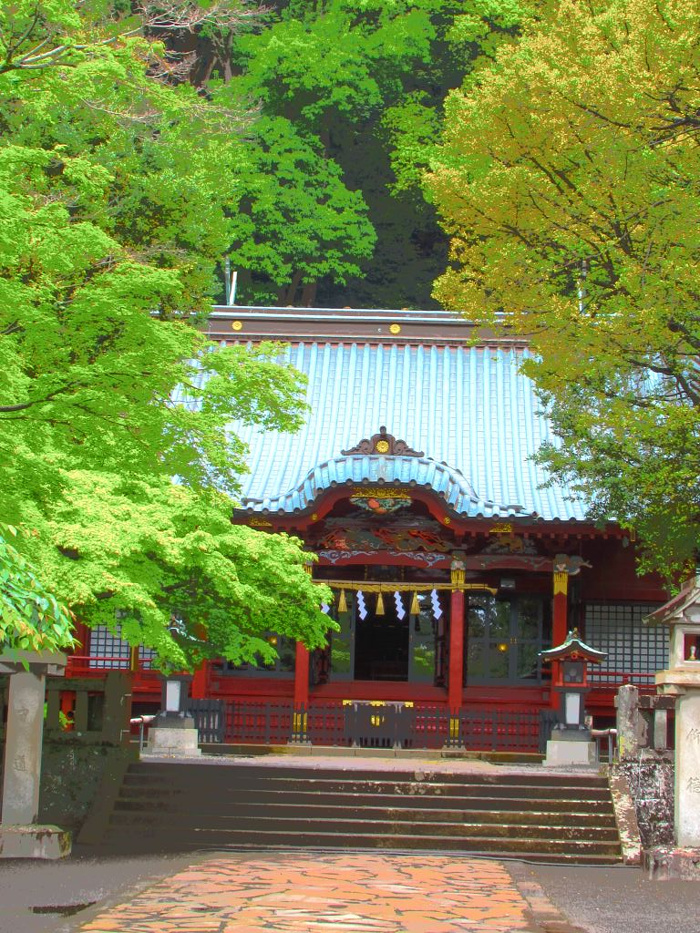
(415,605)
(342,602)
(380,604)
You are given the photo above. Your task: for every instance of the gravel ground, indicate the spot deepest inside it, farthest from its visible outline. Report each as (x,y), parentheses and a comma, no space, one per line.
(618,899)
(600,900)
(78,881)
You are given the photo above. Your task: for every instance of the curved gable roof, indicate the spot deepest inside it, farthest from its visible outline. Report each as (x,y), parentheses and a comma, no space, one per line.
(446,481)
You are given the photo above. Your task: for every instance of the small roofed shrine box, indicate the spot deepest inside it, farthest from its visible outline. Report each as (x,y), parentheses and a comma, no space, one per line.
(682,615)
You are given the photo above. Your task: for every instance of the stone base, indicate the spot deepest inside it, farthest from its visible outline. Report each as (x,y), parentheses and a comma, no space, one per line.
(561,754)
(666,863)
(179,742)
(34,841)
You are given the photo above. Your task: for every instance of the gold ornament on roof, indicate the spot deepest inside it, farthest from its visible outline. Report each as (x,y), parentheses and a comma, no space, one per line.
(382,443)
(381,492)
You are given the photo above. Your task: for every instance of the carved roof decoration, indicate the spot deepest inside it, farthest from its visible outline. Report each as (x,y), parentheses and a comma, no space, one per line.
(385,444)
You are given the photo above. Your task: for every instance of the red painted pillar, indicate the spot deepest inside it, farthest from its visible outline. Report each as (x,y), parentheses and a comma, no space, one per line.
(200,679)
(456,672)
(300,717)
(67,707)
(82,637)
(455,679)
(301,675)
(200,682)
(301,695)
(560,624)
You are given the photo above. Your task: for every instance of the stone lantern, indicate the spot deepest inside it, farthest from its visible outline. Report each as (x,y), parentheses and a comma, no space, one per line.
(571,742)
(681,680)
(173,734)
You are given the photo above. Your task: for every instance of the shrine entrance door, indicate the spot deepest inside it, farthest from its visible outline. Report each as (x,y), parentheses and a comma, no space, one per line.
(381,644)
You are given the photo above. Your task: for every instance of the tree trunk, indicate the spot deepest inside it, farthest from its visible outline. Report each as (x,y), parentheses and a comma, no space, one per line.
(287,295)
(308,294)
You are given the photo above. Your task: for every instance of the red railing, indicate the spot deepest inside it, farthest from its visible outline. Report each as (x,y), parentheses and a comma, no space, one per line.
(607,678)
(83,665)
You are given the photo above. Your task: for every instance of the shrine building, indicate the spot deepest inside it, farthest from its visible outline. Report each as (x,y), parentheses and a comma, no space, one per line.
(452,562)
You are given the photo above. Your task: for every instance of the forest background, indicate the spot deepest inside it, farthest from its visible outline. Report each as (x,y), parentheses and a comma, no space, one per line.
(339,153)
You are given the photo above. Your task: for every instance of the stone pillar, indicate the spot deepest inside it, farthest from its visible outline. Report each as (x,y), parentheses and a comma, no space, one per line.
(20,835)
(301,695)
(627,704)
(687,796)
(52,709)
(80,713)
(660,729)
(116,726)
(25,727)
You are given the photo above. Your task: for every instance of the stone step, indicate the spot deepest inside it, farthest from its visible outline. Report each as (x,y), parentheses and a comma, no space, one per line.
(175,799)
(283,809)
(216,839)
(190,806)
(205,774)
(120,848)
(375,788)
(358,826)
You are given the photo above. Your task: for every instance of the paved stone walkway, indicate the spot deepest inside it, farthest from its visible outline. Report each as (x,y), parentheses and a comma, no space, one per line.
(343,892)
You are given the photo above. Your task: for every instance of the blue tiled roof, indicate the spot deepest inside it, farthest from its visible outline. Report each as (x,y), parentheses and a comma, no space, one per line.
(447,482)
(467,408)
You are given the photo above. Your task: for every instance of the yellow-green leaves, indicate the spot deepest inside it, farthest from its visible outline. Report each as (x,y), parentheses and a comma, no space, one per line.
(569,182)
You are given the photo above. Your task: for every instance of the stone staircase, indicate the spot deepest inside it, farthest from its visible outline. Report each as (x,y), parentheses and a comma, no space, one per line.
(168,807)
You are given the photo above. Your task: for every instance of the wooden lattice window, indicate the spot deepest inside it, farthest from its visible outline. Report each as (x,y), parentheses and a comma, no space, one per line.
(631,647)
(109,651)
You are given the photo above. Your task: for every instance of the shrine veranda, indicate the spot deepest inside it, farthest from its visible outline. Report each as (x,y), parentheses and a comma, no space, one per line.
(452,565)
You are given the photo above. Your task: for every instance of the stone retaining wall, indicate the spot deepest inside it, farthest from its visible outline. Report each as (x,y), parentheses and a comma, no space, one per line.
(650,777)
(71,772)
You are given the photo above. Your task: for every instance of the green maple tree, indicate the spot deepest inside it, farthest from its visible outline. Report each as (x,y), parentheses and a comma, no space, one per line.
(112,220)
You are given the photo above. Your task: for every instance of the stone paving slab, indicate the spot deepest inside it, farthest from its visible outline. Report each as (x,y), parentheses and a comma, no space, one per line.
(343,892)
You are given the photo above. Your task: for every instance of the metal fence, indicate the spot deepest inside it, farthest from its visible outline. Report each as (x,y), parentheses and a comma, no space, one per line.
(209,718)
(266,723)
(388,725)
